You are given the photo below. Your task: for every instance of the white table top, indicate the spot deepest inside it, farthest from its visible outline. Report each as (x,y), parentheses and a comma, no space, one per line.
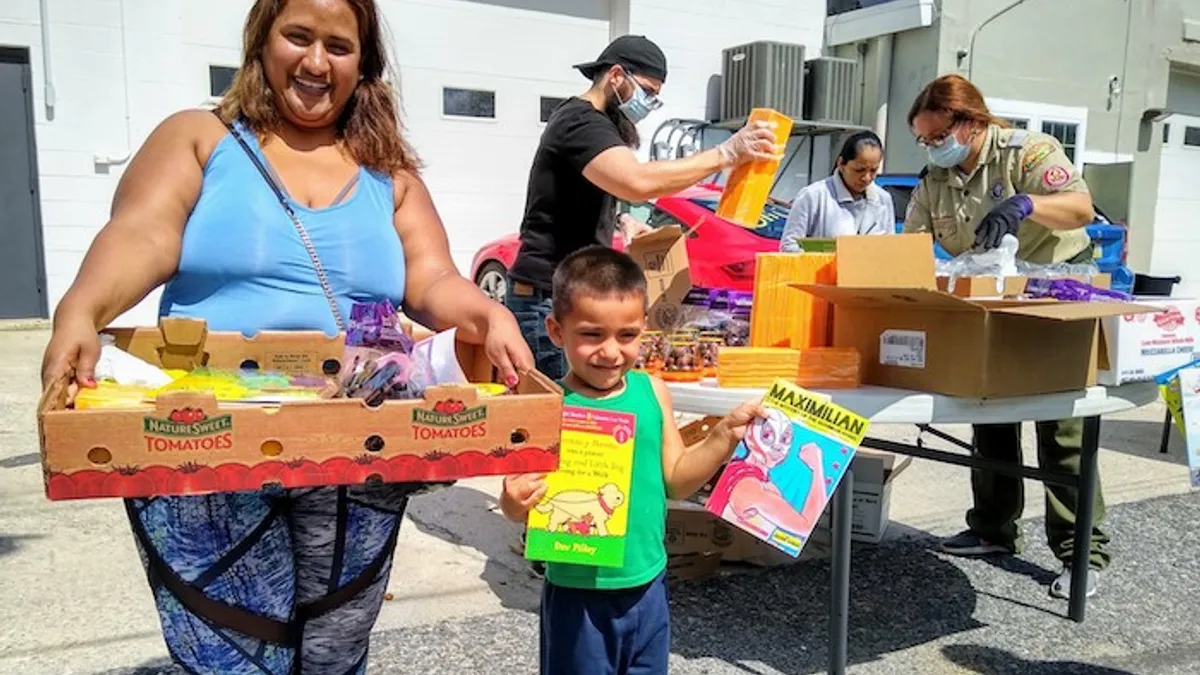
(897,406)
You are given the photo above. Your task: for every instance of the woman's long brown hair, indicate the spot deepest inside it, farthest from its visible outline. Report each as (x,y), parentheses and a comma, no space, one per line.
(955,95)
(370,124)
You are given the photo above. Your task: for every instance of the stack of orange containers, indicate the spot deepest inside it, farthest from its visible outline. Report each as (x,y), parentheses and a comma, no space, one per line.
(829,368)
(749,185)
(784,316)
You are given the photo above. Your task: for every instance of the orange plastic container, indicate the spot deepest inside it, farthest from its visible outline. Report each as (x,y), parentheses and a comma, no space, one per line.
(783,316)
(829,368)
(749,185)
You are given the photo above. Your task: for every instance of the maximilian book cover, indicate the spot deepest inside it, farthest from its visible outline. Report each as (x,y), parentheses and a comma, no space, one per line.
(787,467)
(583,517)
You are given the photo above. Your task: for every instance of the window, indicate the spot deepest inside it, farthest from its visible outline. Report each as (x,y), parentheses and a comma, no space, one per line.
(468,103)
(1166,134)
(1065,133)
(1017,122)
(219,80)
(548,104)
(1191,136)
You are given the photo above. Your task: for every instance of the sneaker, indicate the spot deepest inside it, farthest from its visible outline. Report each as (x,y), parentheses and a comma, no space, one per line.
(1061,587)
(969,544)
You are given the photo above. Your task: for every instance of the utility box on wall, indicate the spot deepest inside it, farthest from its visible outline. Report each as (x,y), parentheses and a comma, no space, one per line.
(829,87)
(762,75)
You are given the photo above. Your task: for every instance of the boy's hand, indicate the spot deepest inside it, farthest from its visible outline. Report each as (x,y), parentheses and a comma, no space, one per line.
(521,493)
(737,422)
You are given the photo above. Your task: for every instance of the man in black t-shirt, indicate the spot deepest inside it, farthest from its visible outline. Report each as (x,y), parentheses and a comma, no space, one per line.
(585,162)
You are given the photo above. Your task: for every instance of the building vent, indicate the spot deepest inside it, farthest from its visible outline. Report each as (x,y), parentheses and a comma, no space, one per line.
(762,75)
(829,89)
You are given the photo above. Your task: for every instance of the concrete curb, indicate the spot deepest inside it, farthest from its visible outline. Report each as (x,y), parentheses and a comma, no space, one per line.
(24,324)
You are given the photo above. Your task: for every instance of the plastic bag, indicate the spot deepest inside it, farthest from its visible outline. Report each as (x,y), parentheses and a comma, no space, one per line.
(999,262)
(1071,290)
(379,363)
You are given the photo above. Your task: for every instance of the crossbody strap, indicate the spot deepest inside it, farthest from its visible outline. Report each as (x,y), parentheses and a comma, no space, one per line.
(304,238)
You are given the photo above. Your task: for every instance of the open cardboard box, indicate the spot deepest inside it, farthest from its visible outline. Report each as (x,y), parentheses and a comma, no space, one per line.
(913,336)
(662,255)
(212,446)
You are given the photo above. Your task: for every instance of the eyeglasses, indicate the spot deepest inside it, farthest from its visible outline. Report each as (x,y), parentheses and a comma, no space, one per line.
(938,139)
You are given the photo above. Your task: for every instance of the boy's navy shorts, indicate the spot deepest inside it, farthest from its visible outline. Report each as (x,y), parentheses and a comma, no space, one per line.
(594,632)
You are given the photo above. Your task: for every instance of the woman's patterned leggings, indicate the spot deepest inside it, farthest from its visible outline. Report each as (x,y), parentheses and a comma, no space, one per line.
(280,582)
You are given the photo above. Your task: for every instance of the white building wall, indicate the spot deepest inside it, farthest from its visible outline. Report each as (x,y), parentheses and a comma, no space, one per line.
(120,66)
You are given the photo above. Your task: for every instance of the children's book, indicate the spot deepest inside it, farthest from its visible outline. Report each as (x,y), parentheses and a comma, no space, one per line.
(583,517)
(787,467)
(1188,381)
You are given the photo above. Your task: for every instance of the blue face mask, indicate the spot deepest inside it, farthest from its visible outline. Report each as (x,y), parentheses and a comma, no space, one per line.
(949,154)
(640,104)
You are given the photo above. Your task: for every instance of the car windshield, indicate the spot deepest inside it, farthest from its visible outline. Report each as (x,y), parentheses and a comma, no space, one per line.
(770,224)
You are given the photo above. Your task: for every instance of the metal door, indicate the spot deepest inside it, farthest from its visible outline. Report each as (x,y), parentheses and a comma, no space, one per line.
(22,266)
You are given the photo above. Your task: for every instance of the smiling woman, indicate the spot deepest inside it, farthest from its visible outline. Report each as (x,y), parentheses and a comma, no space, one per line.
(298,197)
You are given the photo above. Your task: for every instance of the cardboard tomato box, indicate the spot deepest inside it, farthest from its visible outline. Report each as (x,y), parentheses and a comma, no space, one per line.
(188,443)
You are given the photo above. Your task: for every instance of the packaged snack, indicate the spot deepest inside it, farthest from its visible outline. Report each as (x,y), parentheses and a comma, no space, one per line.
(710,345)
(1070,290)
(682,362)
(379,363)
(488,389)
(110,395)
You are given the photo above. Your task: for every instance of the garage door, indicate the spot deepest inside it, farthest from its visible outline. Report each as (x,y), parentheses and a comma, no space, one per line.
(476,120)
(1177,215)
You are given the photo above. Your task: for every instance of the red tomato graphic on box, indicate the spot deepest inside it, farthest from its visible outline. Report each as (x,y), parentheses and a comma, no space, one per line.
(1170,320)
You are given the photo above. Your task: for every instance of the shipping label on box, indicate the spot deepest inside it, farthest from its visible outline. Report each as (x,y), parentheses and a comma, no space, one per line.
(1140,346)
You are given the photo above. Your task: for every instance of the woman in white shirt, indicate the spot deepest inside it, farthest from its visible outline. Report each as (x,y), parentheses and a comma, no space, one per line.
(848,202)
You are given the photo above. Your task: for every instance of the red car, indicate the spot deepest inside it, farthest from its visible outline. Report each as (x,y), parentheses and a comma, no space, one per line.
(721,252)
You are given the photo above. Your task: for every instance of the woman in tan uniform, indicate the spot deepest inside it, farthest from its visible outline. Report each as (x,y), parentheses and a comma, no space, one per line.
(985,181)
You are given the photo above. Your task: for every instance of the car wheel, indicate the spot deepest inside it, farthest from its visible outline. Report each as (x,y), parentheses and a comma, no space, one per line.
(493,281)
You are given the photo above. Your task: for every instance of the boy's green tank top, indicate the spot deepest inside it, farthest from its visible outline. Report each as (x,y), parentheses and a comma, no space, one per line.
(645,552)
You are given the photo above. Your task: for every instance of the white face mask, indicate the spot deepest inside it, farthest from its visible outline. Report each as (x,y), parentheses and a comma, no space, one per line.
(640,104)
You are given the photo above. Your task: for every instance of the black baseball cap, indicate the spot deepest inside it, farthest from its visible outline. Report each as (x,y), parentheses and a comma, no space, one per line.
(632,52)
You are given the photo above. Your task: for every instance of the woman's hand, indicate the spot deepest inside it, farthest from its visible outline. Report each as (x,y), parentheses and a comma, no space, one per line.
(505,347)
(74,350)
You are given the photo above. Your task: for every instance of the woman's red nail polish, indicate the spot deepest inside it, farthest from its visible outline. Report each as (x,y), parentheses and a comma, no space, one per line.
(511,381)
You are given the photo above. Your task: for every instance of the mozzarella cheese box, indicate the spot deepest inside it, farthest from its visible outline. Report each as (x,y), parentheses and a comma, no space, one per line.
(1140,346)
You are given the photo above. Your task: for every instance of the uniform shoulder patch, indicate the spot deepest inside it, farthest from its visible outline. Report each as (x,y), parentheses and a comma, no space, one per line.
(1055,177)
(1034,154)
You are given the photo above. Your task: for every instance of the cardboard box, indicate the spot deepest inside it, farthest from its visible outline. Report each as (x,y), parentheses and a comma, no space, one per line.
(1008,287)
(692,566)
(229,447)
(662,255)
(874,472)
(1137,347)
(913,336)
(693,530)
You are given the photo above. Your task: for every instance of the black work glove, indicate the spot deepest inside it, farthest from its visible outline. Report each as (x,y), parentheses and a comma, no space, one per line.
(1004,218)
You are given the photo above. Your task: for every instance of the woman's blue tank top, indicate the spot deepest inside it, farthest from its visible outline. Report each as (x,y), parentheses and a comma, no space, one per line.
(244,268)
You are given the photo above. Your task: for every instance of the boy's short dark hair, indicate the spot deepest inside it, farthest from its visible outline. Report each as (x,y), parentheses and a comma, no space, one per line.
(596,270)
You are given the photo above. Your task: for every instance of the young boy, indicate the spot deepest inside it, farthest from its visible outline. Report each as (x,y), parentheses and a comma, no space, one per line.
(615,621)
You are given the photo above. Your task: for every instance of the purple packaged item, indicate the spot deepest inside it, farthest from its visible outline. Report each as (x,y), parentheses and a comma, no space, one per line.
(1070,290)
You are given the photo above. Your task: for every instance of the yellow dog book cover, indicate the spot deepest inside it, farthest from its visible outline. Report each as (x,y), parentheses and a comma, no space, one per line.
(583,517)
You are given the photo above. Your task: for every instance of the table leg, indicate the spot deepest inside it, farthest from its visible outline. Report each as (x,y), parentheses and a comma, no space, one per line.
(1165,445)
(1081,550)
(839,614)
